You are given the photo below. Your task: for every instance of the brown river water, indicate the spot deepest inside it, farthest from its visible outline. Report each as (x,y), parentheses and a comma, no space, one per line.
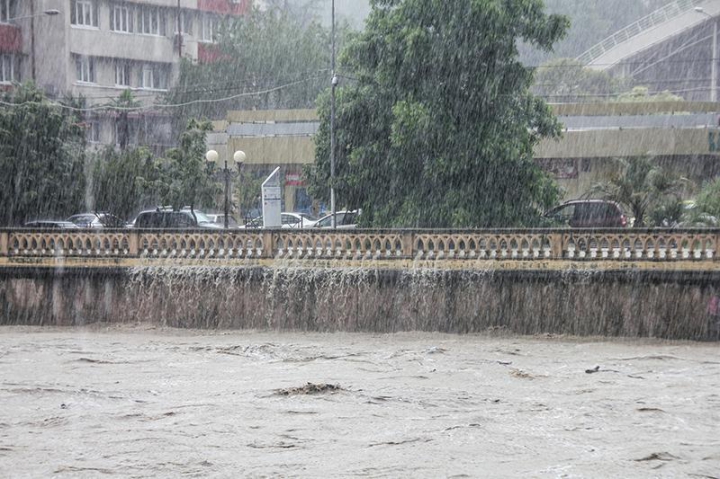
(120,401)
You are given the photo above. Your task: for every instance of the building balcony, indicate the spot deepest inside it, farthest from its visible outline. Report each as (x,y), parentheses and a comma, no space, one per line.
(129,46)
(10,38)
(225,7)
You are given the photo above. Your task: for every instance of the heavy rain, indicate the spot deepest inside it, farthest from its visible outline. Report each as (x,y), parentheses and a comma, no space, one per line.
(359,238)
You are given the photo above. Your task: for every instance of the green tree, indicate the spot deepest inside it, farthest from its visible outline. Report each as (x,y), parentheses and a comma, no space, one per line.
(185,175)
(123,182)
(272,51)
(705,210)
(122,105)
(642,94)
(641,185)
(438,127)
(567,80)
(42,157)
(247,191)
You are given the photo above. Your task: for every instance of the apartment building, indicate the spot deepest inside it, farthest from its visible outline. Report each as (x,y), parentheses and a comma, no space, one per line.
(99,48)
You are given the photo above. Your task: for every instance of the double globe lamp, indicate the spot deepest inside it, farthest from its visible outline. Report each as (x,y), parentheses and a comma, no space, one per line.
(239,158)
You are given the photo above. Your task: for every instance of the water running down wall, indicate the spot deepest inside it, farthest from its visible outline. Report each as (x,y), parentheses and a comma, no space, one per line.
(663,304)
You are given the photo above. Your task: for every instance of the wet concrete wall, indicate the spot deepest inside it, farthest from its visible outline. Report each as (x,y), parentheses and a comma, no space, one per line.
(673,305)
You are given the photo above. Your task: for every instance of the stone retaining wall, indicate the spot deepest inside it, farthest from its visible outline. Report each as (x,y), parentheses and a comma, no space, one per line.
(663,304)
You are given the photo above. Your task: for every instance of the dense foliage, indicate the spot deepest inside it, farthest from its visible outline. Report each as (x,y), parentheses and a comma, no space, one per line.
(187,179)
(437,127)
(42,156)
(123,182)
(126,181)
(266,59)
(643,186)
(566,80)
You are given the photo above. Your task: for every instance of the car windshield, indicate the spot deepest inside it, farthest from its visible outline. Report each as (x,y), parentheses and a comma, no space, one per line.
(202,217)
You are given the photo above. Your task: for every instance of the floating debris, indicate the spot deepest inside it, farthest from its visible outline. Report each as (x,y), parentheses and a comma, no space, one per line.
(657,456)
(519,373)
(309,388)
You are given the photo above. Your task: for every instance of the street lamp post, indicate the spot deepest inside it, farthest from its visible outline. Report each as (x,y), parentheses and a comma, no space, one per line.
(713,66)
(239,157)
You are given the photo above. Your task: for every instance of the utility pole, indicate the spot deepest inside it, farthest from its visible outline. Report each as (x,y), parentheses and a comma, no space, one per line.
(714,60)
(713,71)
(334,82)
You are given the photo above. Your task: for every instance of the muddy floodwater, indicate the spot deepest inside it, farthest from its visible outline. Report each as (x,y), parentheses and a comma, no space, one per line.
(143,402)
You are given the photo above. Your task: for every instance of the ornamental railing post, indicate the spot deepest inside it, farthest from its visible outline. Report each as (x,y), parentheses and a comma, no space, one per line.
(268,250)
(556,245)
(134,244)
(407,244)
(4,243)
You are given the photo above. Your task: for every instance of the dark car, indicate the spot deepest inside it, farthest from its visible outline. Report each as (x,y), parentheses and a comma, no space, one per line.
(96,220)
(587,214)
(52,224)
(163,218)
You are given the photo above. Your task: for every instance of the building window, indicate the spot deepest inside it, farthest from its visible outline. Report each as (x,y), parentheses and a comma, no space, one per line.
(7,10)
(210,25)
(121,19)
(185,23)
(153,78)
(7,68)
(83,12)
(122,74)
(85,69)
(93,132)
(151,21)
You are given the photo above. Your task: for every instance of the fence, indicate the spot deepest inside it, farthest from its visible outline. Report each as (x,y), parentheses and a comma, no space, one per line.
(664,245)
(659,16)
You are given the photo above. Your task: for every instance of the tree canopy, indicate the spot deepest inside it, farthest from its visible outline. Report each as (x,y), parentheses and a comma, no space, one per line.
(437,126)
(123,182)
(641,185)
(566,80)
(42,156)
(266,59)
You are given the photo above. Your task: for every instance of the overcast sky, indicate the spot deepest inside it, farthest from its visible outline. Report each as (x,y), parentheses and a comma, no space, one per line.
(356,10)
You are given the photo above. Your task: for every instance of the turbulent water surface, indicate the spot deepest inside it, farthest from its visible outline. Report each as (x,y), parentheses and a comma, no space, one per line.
(139,402)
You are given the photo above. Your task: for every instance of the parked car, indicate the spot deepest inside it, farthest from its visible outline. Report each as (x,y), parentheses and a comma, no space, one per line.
(344,220)
(166,218)
(252,223)
(96,220)
(219,219)
(52,224)
(297,220)
(587,214)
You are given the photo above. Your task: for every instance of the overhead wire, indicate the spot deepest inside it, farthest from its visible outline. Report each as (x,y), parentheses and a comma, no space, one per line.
(156,106)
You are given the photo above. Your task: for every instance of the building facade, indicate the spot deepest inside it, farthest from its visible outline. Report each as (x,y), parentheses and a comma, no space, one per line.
(97,49)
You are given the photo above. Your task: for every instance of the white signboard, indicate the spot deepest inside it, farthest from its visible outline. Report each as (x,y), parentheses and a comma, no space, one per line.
(272,200)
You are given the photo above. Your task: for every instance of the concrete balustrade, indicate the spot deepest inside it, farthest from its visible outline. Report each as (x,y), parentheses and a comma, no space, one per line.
(539,245)
(611,282)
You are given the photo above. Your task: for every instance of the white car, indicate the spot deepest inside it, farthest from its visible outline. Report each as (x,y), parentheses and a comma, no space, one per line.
(219,219)
(344,220)
(297,220)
